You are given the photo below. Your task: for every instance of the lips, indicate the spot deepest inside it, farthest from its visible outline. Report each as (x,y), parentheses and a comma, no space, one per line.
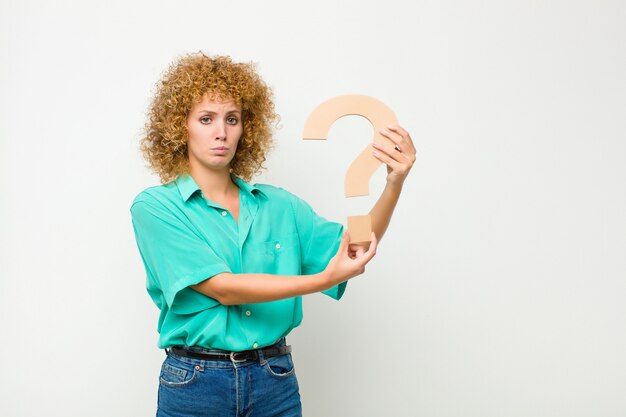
(220,150)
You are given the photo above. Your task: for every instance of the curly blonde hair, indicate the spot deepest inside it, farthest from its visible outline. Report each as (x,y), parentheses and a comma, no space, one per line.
(186,81)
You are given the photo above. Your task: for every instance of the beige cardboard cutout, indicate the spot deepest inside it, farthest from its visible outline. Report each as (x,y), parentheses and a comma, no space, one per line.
(363,167)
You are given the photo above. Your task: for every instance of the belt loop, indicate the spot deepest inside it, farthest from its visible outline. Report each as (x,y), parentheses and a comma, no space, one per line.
(262,359)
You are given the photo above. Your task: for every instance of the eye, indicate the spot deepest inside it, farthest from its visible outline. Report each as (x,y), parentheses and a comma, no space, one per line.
(232,120)
(205,120)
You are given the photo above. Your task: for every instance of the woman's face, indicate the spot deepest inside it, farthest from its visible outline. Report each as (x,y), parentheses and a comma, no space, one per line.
(214,127)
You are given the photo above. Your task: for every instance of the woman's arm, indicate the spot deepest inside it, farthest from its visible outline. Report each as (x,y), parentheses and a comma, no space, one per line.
(350,260)
(230,289)
(399,160)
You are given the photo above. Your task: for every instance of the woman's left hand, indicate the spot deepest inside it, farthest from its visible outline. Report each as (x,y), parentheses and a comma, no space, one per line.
(399,158)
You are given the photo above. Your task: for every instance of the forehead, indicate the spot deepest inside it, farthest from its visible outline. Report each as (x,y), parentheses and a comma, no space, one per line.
(215,100)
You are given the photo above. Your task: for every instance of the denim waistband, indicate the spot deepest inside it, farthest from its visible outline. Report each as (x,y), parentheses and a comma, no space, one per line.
(200,349)
(217,363)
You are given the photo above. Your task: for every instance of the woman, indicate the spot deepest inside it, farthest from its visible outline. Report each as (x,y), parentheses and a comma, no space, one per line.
(227,261)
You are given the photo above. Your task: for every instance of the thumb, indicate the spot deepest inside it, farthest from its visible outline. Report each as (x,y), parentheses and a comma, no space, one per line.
(345,241)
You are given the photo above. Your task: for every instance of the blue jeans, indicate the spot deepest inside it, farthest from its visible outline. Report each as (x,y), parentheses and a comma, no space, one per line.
(256,388)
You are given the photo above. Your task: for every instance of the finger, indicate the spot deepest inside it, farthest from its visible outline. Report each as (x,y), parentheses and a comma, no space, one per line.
(405,152)
(373,244)
(345,242)
(386,159)
(398,129)
(394,152)
(367,256)
(394,137)
(400,143)
(406,137)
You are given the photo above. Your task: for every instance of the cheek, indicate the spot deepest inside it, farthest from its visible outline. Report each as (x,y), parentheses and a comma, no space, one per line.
(239,133)
(193,142)
(195,133)
(192,132)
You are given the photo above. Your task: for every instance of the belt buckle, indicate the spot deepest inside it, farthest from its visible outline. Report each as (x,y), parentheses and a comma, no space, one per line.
(234,359)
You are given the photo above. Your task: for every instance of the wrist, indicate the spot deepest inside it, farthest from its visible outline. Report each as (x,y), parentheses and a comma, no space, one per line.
(324,280)
(330,277)
(394,184)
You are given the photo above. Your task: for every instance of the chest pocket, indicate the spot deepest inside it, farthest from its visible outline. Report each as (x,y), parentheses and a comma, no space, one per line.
(279,256)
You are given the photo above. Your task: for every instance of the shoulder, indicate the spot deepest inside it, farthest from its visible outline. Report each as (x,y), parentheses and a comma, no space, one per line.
(278,197)
(158,193)
(278,194)
(156,196)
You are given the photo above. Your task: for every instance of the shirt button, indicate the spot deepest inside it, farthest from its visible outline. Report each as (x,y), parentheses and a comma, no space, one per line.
(278,246)
(248,313)
(255,345)
(224,213)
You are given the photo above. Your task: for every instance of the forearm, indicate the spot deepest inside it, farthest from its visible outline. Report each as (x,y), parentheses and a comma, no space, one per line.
(383,209)
(399,156)
(230,289)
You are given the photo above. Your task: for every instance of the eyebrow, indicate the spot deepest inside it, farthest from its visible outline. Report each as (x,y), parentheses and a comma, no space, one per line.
(212,112)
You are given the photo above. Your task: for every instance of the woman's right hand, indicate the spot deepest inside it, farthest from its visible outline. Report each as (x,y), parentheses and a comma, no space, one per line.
(349,261)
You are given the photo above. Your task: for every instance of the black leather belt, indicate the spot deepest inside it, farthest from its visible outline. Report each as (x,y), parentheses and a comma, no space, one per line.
(246,355)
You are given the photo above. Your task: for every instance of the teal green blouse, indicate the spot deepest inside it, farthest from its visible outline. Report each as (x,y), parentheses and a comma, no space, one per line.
(185,238)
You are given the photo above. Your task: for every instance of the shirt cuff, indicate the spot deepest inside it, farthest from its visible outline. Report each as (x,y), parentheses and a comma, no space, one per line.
(182,299)
(337,291)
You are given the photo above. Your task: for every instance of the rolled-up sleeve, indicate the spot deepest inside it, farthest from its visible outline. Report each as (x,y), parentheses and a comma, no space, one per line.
(319,240)
(175,257)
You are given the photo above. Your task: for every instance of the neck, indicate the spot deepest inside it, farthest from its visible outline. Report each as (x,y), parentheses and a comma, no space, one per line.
(215,185)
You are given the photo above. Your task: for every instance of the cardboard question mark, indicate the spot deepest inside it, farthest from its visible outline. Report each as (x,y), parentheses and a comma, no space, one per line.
(363,167)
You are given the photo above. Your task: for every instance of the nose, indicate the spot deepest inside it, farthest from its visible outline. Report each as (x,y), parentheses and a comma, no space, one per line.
(220,131)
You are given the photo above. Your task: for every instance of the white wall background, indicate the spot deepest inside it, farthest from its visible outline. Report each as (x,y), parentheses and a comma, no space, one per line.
(499,289)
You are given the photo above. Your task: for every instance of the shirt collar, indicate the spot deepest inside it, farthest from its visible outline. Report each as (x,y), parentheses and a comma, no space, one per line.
(187,186)
(246,186)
